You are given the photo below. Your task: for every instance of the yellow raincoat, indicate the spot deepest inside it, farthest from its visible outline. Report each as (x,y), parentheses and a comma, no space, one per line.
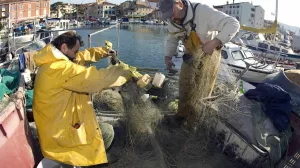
(61,103)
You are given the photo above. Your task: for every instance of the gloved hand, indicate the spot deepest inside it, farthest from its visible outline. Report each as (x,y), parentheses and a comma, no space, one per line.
(113,57)
(112,53)
(168,62)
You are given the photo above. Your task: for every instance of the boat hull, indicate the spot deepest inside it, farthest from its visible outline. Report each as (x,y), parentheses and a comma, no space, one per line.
(16,141)
(21,39)
(252,75)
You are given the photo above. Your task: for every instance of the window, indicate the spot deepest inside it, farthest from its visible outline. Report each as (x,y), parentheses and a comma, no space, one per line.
(237,55)
(105,12)
(37,12)
(273,48)
(238,7)
(237,12)
(224,54)
(21,6)
(253,9)
(250,37)
(13,7)
(248,54)
(44,11)
(29,13)
(234,12)
(3,7)
(21,13)
(263,45)
(37,4)
(45,4)
(230,7)
(3,14)
(252,15)
(29,6)
(113,12)
(109,12)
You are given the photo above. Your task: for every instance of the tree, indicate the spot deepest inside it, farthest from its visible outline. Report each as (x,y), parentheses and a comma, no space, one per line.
(56,7)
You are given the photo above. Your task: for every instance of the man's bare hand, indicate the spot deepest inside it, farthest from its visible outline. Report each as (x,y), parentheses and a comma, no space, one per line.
(210,46)
(168,62)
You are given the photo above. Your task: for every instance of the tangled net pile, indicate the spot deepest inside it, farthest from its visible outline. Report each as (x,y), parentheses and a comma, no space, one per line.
(149,142)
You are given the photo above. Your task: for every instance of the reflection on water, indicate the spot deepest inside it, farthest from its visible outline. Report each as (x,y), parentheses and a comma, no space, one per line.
(140,45)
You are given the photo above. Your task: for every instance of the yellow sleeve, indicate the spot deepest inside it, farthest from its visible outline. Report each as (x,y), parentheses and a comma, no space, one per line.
(92,54)
(90,80)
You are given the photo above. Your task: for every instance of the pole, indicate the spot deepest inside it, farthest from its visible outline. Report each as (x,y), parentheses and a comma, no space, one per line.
(276,14)
(89,41)
(90,35)
(8,43)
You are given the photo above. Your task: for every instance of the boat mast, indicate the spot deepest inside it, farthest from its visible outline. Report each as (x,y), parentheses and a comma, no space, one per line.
(276,12)
(276,16)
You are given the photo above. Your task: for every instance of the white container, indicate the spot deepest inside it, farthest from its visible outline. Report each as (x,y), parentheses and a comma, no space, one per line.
(9,56)
(145,97)
(158,80)
(26,77)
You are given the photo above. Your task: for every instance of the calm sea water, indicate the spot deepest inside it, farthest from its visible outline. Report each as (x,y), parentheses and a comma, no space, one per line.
(139,45)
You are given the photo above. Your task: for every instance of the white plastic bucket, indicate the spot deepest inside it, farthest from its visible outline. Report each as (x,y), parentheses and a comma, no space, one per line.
(158,80)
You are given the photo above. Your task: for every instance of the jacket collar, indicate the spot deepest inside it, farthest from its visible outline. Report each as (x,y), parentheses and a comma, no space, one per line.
(189,14)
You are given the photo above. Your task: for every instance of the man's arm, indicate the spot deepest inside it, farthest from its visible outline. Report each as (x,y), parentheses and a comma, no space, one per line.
(170,50)
(93,54)
(218,21)
(90,80)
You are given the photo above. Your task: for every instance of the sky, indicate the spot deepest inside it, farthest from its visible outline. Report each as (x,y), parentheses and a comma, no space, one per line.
(288,11)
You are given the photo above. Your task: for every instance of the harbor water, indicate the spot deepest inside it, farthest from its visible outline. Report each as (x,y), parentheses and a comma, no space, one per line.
(139,45)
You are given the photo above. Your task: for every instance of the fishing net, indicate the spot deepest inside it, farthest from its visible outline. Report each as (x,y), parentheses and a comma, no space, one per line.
(143,139)
(197,79)
(108,100)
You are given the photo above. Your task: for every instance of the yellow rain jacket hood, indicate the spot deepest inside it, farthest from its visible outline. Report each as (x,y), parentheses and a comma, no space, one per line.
(67,127)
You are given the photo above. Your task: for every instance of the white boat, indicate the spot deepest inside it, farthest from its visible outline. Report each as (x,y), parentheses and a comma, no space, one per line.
(149,22)
(263,48)
(238,58)
(113,22)
(235,59)
(59,26)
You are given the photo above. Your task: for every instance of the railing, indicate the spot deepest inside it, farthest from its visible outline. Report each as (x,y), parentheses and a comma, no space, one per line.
(99,31)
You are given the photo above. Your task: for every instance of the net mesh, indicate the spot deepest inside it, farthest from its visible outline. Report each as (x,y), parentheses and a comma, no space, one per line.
(145,140)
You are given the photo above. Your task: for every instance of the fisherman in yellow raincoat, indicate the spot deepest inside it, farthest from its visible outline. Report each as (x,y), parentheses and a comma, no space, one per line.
(67,127)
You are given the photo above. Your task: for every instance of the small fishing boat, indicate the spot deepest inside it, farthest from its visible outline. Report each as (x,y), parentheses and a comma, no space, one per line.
(236,59)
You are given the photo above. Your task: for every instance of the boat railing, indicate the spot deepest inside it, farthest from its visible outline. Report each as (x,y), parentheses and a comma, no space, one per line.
(99,31)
